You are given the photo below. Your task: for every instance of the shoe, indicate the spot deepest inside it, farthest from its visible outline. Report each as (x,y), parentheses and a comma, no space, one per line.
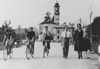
(79,57)
(63,56)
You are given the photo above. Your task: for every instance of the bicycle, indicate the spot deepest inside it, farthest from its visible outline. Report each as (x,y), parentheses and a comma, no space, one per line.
(45,50)
(29,50)
(6,51)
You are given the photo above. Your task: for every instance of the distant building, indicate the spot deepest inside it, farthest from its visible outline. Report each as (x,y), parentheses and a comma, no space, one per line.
(54,24)
(59,29)
(51,22)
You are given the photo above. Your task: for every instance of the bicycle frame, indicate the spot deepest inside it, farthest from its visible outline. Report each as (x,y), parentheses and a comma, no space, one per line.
(45,48)
(8,47)
(29,50)
(7,51)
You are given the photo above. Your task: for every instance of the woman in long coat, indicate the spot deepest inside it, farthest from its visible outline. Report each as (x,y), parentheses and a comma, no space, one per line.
(78,39)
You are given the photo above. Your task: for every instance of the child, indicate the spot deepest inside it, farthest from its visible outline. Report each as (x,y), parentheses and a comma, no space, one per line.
(87,45)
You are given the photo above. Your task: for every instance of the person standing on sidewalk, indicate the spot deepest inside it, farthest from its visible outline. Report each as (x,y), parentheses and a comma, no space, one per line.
(65,36)
(78,41)
(87,44)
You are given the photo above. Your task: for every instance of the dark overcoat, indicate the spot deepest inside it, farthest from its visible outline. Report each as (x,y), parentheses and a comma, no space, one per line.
(78,38)
(86,44)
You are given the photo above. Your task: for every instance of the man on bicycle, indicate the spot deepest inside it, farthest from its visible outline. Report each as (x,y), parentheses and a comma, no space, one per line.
(46,36)
(8,38)
(30,37)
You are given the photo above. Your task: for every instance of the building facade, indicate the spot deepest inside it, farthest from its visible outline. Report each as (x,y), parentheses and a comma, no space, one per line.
(51,22)
(59,29)
(54,25)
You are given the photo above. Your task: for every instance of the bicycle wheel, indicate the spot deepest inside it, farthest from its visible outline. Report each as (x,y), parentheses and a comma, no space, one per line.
(32,54)
(28,53)
(5,53)
(44,51)
(11,54)
(47,51)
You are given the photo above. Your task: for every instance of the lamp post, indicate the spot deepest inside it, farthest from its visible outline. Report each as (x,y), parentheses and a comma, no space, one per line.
(91,12)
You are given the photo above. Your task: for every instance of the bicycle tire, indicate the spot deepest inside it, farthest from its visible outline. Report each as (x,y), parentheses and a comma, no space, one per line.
(28,53)
(31,52)
(5,53)
(44,51)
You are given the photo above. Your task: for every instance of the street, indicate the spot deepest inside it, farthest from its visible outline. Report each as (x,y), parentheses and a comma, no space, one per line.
(53,61)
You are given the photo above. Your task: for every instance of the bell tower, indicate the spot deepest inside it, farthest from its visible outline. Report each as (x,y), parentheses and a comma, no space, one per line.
(56,13)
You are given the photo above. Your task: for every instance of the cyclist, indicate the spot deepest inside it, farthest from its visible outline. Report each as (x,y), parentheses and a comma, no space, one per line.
(8,39)
(46,36)
(30,37)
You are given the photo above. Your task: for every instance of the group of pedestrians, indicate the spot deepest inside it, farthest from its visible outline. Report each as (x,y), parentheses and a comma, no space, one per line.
(80,43)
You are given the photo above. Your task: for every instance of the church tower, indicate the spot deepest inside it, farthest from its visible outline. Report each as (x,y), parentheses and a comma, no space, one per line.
(56,13)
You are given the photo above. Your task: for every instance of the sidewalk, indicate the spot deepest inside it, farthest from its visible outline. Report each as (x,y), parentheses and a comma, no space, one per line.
(84,63)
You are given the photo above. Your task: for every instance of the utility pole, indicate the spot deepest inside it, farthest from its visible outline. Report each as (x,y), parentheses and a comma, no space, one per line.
(19,27)
(91,12)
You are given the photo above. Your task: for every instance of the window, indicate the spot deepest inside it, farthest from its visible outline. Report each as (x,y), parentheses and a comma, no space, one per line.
(58,31)
(58,37)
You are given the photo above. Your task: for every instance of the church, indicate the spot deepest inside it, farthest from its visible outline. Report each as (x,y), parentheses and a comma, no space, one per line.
(53,23)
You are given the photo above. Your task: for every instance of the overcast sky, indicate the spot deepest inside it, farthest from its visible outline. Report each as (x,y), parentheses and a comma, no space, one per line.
(31,12)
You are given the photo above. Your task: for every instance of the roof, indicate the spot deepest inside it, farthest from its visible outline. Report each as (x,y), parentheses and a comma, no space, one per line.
(47,22)
(61,26)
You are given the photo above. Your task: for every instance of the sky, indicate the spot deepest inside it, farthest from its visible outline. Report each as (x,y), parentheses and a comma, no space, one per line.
(28,13)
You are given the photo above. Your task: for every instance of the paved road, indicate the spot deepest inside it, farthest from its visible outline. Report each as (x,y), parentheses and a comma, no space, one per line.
(53,61)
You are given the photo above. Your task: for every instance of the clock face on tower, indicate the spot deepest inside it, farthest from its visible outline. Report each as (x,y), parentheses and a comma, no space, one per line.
(56,10)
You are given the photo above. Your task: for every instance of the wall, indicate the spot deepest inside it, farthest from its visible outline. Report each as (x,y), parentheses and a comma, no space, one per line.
(58,34)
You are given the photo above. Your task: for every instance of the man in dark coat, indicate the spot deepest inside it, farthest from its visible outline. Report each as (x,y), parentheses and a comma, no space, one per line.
(78,40)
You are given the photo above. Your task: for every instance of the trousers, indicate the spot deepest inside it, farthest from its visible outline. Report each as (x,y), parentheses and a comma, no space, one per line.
(65,47)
